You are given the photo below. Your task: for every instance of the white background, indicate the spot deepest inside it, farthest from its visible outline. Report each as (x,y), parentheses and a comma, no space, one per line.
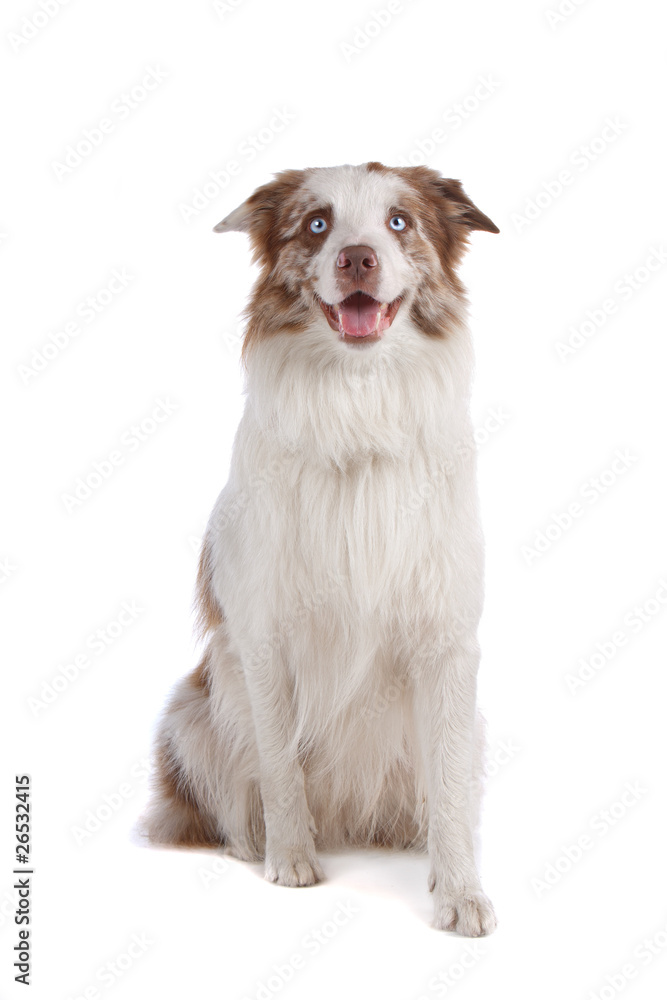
(172,334)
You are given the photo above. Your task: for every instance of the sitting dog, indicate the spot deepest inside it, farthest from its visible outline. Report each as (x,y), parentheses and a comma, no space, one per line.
(340,583)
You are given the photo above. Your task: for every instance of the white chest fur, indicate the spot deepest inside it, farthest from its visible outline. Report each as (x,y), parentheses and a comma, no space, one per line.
(352,490)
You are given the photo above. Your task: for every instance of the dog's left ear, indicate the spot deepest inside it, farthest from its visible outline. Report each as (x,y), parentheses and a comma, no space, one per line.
(463,210)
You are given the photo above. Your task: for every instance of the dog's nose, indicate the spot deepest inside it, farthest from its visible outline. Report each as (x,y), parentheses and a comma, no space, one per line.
(357,261)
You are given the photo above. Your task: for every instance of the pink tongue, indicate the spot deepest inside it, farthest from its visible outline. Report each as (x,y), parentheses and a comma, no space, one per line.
(358,315)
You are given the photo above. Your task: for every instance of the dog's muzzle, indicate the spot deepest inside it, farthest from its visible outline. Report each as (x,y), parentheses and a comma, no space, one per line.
(358,316)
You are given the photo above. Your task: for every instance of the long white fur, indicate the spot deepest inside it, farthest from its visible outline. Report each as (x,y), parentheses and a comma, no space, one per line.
(347,557)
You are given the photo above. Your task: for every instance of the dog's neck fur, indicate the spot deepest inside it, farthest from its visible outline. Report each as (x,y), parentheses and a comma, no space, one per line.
(312,396)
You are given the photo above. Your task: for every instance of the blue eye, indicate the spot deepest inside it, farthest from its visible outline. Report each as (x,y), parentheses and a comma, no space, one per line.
(318,225)
(397,222)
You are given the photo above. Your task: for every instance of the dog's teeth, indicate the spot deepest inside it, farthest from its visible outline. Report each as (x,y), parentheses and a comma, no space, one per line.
(381,311)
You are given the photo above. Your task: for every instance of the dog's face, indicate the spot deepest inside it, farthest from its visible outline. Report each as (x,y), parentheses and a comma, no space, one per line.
(355,246)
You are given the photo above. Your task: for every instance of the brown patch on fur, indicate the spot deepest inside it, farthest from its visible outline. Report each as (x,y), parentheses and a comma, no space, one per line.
(177,817)
(273,308)
(209,612)
(447,216)
(184,822)
(200,677)
(466,211)
(269,207)
(446,211)
(276,304)
(458,207)
(375,167)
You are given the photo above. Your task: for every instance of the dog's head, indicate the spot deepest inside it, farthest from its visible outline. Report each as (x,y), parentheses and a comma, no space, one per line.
(354,247)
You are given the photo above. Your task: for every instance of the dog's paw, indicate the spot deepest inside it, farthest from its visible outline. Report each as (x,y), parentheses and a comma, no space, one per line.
(469,913)
(293,866)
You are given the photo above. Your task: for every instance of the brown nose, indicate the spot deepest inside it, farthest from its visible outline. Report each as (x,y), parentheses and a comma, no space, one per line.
(357,262)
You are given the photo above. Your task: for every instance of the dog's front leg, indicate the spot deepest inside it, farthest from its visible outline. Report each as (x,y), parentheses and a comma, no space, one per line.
(445,710)
(290,849)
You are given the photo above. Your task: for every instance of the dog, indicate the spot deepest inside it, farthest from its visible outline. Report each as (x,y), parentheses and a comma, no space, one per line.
(340,583)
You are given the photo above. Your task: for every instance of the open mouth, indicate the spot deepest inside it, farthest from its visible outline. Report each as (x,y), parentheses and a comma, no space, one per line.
(360,318)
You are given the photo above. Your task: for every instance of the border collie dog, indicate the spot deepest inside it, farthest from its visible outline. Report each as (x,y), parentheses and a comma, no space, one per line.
(340,583)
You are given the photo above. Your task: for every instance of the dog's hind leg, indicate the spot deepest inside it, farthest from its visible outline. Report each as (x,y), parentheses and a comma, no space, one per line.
(206,783)
(178,812)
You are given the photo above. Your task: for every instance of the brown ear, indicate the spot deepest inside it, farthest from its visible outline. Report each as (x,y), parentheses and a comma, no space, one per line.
(237,221)
(265,200)
(464,210)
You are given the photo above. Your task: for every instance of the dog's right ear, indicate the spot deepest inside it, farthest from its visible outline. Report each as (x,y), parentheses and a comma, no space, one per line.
(262,204)
(237,221)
